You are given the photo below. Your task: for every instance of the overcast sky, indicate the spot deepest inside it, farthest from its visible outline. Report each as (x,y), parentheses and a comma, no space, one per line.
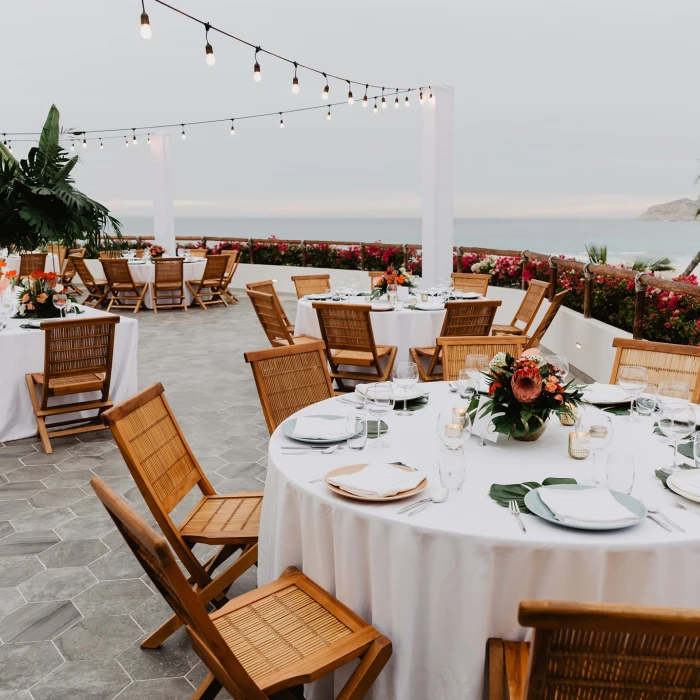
(562,108)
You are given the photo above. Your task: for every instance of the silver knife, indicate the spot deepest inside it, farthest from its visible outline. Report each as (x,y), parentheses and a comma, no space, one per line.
(659,523)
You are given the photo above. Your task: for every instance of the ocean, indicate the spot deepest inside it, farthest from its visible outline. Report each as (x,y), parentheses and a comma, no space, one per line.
(626,239)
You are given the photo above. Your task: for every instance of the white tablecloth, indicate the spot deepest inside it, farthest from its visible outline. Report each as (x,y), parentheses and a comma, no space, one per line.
(406,329)
(146,272)
(22,352)
(50,266)
(441,583)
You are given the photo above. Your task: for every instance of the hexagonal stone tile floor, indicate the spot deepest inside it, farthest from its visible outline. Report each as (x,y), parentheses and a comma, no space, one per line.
(74,602)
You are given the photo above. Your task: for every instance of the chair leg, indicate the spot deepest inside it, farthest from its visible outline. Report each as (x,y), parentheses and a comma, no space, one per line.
(366,673)
(40,421)
(153,298)
(495,670)
(155,639)
(208,689)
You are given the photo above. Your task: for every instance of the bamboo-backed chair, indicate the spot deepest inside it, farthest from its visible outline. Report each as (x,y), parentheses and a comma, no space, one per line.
(289,379)
(168,284)
(471,282)
(77,360)
(375,277)
(598,651)
(165,471)
(68,271)
(268,287)
(473,318)
(96,289)
(527,310)
(113,254)
(455,350)
(265,643)
(347,332)
(546,321)
(123,289)
(60,252)
(271,319)
(30,262)
(198,252)
(234,259)
(663,361)
(311,284)
(209,290)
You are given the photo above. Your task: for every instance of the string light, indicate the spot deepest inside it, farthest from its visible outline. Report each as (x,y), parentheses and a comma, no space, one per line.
(257,75)
(9,146)
(133,140)
(383,100)
(406,102)
(375,105)
(420,98)
(326,89)
(208,50)
(281,121)
(145,23)
(364,99)
(295,81)
(148,139)
(233,129)
(126,142)
(351,99)
(396,101)
(72,145)
(4,143)
(102,146)
(183,134)
(431,98)
(84,143)
(329,114)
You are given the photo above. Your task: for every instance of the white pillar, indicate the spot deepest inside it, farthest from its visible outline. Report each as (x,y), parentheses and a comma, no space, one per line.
(438,170)
(163,214)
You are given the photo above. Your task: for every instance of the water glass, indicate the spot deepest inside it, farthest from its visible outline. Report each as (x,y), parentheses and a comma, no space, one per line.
(646,401)
(405,377)
(476,364)
(379,400)
(672,396)
(357,430)
(465,386)
(620,472)
(633,381)
(696,450)
(452,467)
(594,430)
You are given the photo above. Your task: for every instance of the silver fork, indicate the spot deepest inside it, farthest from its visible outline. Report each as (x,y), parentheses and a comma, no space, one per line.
(682,506)
(514,509)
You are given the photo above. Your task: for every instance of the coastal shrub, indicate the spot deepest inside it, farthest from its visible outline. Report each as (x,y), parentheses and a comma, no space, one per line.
(232,245)
(379,257)
(333,257)
(277,253)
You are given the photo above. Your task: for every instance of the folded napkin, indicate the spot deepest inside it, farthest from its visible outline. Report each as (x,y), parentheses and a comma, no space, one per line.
(318,297)
(585,506)
(377,479)
(604,393)
(312,427)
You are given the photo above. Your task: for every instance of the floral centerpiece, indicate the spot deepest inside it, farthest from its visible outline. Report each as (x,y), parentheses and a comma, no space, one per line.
(35,294)
(524,393)
(400,278)
(156,251)
(6,276)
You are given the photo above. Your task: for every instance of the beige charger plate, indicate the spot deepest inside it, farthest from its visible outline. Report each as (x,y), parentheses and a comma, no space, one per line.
(352,468)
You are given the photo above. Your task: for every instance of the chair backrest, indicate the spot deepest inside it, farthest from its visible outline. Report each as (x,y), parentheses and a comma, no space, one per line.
(60,252)
(29,262)
(110,254)
(455,350)
(84,272)
(198,252)
(311,284)
(375,277)
(160,461)
(595,650)
(268,311)
(471,282)
(68,270)
(233,258)
(469,317)
(157,560)
(215,269)
(168,271)
(76,347)
(664,362)
(268,287)
(546,321)
(117,272)
(346,327)
(289,379)
(531,303)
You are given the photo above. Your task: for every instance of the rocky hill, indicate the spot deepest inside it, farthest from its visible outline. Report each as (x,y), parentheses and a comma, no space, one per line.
(678,210)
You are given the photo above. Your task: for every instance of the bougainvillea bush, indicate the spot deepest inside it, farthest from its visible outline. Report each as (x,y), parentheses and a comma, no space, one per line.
(234,245)
(379,258)
(277,253)
(333,257)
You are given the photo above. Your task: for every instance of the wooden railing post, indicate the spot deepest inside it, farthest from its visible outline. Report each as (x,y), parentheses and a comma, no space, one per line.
(362,256)
(552,277)
(404,249)
(587,290)
(523,284)
(640,298)
(303,253)
(250,250)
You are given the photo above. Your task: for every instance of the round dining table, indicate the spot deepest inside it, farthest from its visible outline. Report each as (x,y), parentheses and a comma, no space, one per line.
(441,583)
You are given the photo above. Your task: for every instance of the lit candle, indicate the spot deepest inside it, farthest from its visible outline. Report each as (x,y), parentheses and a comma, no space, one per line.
(453,430)
(424,296)
(576,449)
(458,413)
(598,431)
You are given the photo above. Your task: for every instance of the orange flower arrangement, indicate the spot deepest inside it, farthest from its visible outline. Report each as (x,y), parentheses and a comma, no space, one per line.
(392,276)
(35,294)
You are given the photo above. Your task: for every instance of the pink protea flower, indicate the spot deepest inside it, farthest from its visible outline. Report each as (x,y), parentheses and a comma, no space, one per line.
(526,384)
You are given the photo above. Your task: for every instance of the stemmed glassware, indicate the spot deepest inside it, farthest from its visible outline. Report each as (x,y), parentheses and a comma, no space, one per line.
(677,419)
(475,365)
(379,401)
(633,381)
(465,386)
(392,293)
(405,377)
(594,430)
(60,301)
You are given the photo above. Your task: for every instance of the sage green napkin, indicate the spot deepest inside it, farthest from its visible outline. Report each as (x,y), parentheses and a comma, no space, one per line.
(619,409)
(411,404)
(503,493)
(372,431)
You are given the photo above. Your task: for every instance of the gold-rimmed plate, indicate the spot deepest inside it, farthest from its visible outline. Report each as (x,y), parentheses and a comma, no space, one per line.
(353,468)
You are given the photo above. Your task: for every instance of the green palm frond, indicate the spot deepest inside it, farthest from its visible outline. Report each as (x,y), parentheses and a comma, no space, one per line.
(597,254)
(652,265)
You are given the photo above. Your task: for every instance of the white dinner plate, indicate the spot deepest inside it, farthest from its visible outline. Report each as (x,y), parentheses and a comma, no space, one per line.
(415,392)
(466,295)
(605,395)
(428,306)
(353,468)
(676,483)
(288,430)
(319,297)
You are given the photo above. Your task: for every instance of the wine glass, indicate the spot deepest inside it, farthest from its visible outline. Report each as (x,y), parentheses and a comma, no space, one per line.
(392,293)
(673,396)
(475,364)
(60,301)
(646,401)
(594,430)
(560,364)
(620,472)
(633,381)
(465,386)
(677,424)
(405,377)
(379,400)
(453,428)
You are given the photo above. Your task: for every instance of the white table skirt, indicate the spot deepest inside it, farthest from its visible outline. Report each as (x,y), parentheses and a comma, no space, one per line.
(441,583)
(146,272)
(50,266)
(22,352)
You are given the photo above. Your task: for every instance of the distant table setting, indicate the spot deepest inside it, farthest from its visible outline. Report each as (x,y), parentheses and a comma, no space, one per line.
(51,264)
(435,539)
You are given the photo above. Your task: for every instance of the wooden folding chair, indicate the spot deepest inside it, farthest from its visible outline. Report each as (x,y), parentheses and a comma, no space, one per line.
(268,287)
(30,262)
(311,284)
(68,271)
(96,289)
(347,333)
(210,289)
(271,319)
(120,282)
(471,282)
(168,284)
(461,318)
(267,642)
(165,471)
(375,277)
(289,379)
(663,361)
(198,252)
(546,321)
(77,360)
(527,310)
(234,258)
(598,651)
(455,350)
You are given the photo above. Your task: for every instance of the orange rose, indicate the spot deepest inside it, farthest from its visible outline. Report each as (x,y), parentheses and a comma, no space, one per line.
(37,274)
(41,298)
(30,307)
(559,398)
(3,263)
(10,273)
(553,379)
(399,279)
(551,387)
(494,386)
(50,276)
(25,298)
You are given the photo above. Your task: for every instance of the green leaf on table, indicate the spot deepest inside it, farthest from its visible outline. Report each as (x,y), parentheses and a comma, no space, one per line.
(503,493)
(662,475)
(411,404)
(619,409)
(372,431)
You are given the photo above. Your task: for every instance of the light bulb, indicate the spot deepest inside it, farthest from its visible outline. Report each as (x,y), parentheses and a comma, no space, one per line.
(406,103)
(421,99)
(146,32)
(72,146)
(102,146)
(364,101)
(351,99)
(295,85)
(326,90)
(183,134)
(396,102)
(257,75)
(209,51)
(126,142)
(375,106)
(383,102)
(148,139)
(84,143)
(134,141)
(432,99)
(233,129)
(9,147)
(281,122)
(328,117)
